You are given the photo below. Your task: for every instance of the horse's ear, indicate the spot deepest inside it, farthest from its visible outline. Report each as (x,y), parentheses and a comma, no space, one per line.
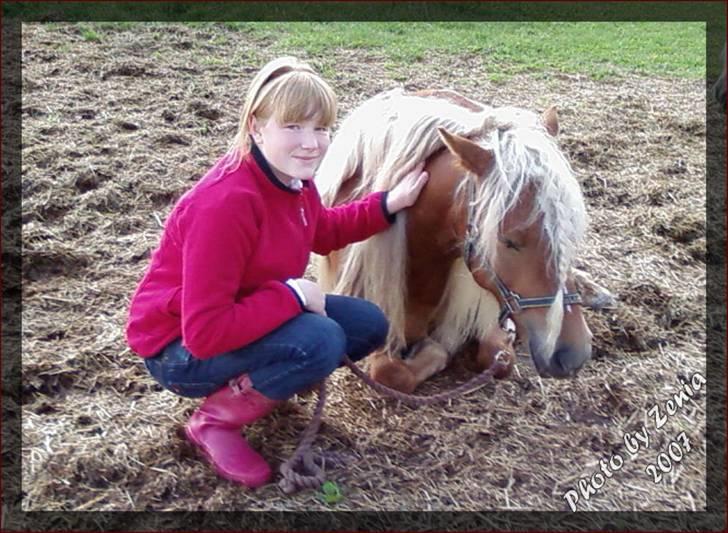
(472,157)
(550,119)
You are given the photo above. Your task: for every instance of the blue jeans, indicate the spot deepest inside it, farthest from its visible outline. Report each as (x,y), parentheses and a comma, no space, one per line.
(296,355)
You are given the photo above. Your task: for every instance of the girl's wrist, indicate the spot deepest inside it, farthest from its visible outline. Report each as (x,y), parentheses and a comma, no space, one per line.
(299,292)
(392,204)
(384,202)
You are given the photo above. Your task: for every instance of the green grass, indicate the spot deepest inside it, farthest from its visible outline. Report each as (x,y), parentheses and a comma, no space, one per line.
(599,49)
(87,34)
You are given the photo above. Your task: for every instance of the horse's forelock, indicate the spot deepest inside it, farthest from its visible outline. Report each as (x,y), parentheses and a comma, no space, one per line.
(528,158)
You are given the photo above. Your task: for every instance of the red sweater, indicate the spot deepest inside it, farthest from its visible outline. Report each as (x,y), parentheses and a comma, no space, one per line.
(218,277)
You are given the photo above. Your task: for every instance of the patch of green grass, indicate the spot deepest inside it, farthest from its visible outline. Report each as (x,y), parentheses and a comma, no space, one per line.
(212,60)
(598,49)
(497,78)
(325,69)
(88,34)
(116,26)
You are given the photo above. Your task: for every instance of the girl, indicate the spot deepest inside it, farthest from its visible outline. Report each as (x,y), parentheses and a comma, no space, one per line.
(223,311)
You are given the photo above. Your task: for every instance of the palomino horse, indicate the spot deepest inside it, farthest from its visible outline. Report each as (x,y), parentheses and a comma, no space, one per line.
(492,236)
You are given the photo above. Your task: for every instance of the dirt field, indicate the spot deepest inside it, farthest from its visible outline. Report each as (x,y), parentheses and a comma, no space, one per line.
(115,130)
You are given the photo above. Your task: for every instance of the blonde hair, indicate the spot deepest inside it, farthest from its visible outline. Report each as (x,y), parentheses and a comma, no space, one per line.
(289,91)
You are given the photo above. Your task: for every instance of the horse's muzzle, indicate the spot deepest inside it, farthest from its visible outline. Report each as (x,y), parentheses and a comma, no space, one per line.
(563,363)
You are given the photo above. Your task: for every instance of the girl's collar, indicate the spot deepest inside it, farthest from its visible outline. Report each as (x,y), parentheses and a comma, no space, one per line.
(296,185)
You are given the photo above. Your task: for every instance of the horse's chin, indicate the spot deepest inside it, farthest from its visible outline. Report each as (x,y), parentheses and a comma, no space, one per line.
(564,362)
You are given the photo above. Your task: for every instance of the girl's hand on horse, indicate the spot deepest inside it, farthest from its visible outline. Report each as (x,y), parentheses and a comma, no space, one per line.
(405,193)
(315,297)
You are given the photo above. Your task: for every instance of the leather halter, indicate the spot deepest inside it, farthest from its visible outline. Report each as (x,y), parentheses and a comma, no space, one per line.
(513,303)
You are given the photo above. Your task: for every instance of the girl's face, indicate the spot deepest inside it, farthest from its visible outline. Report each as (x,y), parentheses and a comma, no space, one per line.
(294,149)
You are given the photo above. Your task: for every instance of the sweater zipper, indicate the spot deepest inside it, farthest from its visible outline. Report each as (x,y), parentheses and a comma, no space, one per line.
(303,213)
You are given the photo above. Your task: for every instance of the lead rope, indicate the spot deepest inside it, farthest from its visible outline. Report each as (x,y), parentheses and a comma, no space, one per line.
(313,475)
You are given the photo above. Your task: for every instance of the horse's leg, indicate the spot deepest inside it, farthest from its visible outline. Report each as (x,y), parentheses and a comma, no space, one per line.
(428,358)
(431,250)
(482,357)
(391,372)
(593,295)
(405,375)
(432,247)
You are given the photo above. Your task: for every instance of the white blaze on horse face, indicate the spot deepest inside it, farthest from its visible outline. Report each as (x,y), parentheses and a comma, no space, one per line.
(572,344)
(554,318)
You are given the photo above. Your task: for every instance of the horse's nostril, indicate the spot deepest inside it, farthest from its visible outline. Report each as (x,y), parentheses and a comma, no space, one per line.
(567,362)
(562,362)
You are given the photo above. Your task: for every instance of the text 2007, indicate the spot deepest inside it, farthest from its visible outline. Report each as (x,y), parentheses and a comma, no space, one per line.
(673,455)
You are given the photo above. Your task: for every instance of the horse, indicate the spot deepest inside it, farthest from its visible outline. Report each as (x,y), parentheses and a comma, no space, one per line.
(492,237)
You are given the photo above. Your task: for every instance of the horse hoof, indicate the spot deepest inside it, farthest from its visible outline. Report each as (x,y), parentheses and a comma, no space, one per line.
(395,375)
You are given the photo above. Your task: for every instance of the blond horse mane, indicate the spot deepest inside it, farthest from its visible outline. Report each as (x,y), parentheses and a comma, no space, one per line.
(380,142)
(383,139)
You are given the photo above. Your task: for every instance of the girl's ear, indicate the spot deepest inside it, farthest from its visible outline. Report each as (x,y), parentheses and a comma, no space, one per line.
(253,126)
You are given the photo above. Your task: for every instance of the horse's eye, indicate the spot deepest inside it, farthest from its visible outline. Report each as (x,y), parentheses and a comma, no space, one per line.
(510,244)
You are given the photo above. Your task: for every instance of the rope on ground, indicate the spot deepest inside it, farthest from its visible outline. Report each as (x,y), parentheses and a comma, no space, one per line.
(500,361)
(313,475)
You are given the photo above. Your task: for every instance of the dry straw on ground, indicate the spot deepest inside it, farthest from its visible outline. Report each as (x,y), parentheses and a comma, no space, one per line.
(115,130)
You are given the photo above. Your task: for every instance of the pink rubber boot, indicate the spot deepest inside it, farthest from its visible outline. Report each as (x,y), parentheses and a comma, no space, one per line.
(215,428)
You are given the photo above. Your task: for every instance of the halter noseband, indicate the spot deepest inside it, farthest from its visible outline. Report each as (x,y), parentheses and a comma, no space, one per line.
(513,303)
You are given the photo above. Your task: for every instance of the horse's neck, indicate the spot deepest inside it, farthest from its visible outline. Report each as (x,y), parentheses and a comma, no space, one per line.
(427,267)
(433,242)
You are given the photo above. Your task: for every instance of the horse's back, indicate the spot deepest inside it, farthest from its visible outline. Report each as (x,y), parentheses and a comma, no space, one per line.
(453,97)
